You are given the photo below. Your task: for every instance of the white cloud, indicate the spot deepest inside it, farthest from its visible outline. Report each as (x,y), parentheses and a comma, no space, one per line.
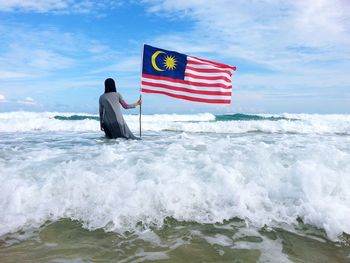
(57,6)
(28,61)
(33,5)
(7,75)
(28,101)
(299,43)
(125,64)
(324,17)
(26,56)
(278,34)
(284,50)
(49,59)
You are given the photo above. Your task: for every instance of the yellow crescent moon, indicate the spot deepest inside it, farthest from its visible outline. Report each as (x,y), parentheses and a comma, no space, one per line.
(154,56)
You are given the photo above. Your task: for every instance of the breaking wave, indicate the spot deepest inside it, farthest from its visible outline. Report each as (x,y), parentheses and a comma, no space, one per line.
(197,123)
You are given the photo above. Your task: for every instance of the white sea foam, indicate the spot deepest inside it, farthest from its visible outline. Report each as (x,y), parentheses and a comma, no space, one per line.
(265,178)
(43,121)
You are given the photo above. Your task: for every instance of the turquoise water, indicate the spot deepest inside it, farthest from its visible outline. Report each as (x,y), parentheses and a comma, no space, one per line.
(248,117)
(76,118)
(228,117)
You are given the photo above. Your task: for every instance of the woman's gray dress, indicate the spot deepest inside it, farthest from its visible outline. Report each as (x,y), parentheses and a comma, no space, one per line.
(111,117)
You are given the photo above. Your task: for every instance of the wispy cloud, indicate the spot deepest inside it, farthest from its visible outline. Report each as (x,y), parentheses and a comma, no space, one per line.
(292,47)
(35,52)
(27,101)
(8,75)
(282,48)
(277,34)
(39,64)
(57,6)
(129,64)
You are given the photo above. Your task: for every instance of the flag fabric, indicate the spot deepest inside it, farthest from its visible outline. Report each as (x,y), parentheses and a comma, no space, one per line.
(185,77)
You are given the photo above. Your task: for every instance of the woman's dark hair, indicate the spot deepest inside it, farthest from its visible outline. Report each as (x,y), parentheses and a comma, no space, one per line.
(110,85)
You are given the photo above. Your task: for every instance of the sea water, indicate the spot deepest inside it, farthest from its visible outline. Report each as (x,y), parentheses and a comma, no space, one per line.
(196,188)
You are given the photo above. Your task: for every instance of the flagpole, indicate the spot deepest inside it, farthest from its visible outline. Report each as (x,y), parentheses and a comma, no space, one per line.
(140,112)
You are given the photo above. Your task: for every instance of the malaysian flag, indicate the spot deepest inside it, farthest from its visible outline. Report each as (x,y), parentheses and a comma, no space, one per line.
(185,77)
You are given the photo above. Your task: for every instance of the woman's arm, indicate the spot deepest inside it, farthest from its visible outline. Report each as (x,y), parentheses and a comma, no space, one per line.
(128,106)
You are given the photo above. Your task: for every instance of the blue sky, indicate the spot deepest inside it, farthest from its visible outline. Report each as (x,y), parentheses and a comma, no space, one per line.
(291,56)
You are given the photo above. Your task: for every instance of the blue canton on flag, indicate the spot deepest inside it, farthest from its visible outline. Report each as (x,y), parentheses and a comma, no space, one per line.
(163,63)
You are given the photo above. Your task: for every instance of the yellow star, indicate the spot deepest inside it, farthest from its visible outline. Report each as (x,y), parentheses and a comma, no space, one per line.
(170,62)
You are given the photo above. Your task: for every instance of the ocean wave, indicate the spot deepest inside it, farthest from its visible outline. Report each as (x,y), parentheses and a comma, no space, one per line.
(195,123)
(249,117)
(118,185)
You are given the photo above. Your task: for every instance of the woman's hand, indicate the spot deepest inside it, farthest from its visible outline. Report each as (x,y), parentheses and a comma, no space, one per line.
(139,102)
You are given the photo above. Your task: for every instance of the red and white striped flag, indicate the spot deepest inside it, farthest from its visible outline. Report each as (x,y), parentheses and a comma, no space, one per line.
(185,77)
